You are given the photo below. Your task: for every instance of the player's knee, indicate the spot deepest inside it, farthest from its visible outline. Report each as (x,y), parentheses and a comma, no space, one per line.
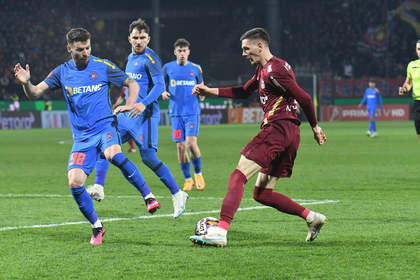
(149,158)
(262,195)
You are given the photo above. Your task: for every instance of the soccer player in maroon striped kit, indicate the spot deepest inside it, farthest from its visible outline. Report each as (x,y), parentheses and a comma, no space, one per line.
(273,150)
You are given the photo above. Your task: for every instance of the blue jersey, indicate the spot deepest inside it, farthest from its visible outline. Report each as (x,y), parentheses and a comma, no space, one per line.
(181,81)
(87,93)
(146,70)
(372,98)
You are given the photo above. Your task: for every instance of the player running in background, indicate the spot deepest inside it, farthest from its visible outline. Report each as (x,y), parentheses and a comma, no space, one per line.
(273,150)
(372,98)
(181,76)
(145,67)
(85,81)
(413,82)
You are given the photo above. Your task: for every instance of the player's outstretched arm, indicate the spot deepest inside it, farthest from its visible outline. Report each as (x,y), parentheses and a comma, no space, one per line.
(202,90)
(319,135)
(24,77)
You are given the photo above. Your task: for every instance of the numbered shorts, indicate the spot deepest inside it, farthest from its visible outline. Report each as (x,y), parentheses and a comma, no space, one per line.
(143,130)
(275,148)
(84,153)
(185,126)
(416,115)
(371,113)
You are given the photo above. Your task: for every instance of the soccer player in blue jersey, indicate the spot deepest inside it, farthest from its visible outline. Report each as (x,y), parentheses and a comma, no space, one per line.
(372,98)
(181,76)
(85,81)
(145,67)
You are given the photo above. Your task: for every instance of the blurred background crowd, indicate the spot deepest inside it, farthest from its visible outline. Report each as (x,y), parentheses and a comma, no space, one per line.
(345,39)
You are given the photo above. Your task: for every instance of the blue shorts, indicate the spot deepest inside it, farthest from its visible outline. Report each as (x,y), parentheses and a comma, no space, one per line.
(185,126)
(143,130)
(84,153)
(371,113)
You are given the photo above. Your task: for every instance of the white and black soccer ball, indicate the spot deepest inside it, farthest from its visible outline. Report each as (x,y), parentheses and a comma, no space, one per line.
(204,224)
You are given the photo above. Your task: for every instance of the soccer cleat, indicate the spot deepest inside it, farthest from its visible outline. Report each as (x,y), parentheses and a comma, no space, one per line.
(179,200)
(131,150)
(152,205)
(368,133)
(199,181)
(374,134)
(215,237)
(96,192)
(97,234)
(188,184)
(315,224)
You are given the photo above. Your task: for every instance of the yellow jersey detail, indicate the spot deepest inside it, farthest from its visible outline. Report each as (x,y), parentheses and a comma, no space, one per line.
(106,62)
(197,66)
(151,59)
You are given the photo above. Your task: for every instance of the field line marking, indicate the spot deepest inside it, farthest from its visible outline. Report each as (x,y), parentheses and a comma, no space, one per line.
(154,216)
(135,196)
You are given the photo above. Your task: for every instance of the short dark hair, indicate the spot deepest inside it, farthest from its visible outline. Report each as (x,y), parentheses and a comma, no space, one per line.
(77,35)
(182,43)
(140,25)
(257,34)
(372,80)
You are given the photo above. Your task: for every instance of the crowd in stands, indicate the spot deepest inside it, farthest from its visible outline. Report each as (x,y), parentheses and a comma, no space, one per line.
(323,37)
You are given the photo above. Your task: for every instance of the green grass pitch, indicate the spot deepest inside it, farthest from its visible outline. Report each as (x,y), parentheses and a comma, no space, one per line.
(367,187)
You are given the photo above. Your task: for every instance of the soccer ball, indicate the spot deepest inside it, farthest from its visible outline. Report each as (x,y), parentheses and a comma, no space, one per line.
(204,224)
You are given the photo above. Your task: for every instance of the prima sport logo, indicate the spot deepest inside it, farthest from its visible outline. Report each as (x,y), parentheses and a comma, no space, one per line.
(182,83)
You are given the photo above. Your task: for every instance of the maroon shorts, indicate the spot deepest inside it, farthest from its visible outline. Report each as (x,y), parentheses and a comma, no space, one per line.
(274,148)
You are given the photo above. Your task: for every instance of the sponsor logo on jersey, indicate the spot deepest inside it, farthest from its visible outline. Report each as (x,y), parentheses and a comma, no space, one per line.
(182,83)
(135,76)
(93,75)
(262,84)
(269,68)
(83,89)
(287,66)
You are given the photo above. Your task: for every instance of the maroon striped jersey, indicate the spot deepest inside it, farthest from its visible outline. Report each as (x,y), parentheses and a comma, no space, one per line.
(278,90)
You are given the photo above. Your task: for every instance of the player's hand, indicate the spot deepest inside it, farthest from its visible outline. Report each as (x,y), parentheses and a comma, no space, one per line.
(201,97)
(359,106)
(165,95)
(202,90)
(23,75)
(138,108)
(122,109)
(402,90)
(319,135)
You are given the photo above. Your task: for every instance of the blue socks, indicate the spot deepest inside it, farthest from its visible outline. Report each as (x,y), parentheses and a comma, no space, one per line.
(196,164)
(372,126)
(101,168)
(131,173)
(85,203)
(185,167)
(161,170)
